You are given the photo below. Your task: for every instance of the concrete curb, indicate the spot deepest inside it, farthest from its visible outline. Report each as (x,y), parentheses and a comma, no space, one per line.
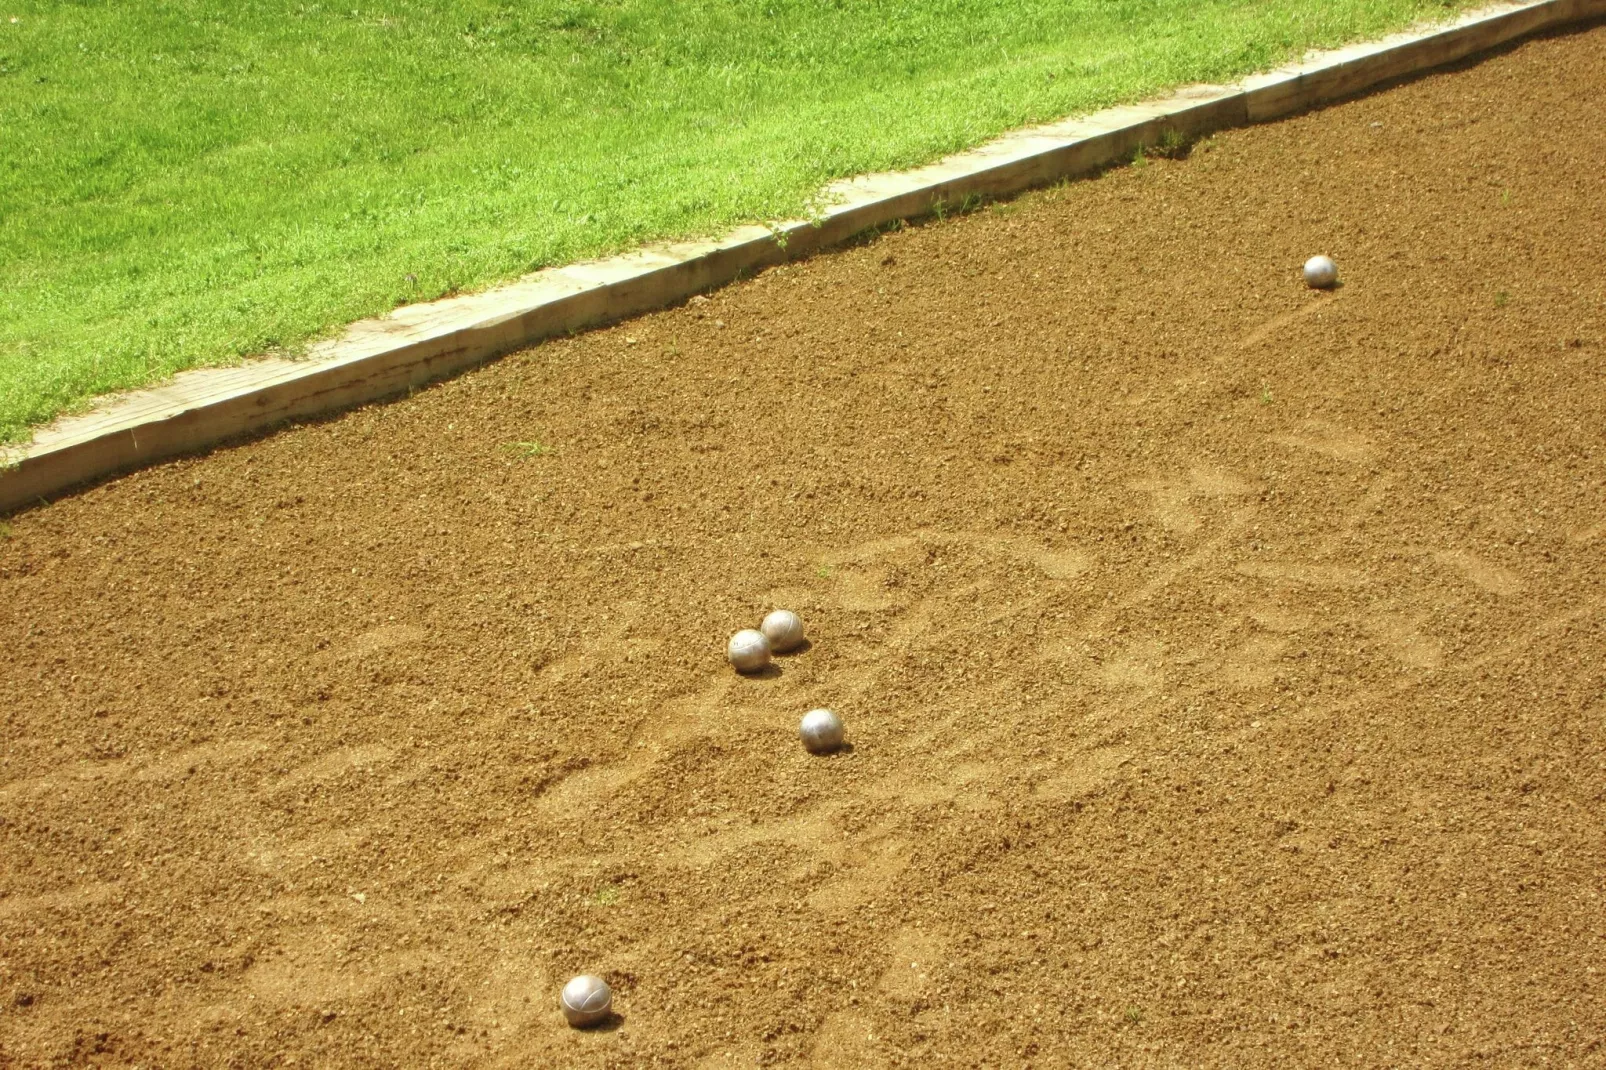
(419,343)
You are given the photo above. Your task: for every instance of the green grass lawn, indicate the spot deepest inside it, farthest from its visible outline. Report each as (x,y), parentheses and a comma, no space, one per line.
(188,182)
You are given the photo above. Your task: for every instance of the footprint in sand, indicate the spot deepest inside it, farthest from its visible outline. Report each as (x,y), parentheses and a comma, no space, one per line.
(867,871)
(1139,667)
(177,766)
(847,1038)
(1406,641)
(1174,497)
(1081,775)
(336,763)
(1254,664)
(1480,573)
(314,971)
(913,956)
(959,782)
(1585,535)
(1339,443)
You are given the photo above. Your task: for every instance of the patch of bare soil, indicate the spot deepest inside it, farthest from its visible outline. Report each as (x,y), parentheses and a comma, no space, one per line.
(1223,661)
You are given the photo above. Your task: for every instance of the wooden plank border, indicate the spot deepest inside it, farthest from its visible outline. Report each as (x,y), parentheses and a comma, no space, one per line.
(419,343)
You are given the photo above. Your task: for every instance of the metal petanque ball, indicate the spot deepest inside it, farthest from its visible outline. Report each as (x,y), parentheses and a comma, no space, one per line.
(784,630)
(821,731)
(1321,273)
(748,650)
(586,1000)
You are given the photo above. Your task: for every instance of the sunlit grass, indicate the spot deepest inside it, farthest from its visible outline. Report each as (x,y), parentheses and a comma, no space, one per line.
(190,181)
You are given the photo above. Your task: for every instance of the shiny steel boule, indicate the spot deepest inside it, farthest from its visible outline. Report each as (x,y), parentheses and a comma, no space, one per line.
(748,650)
(1321,273)
(586,1000)
(821,731)
(784,630)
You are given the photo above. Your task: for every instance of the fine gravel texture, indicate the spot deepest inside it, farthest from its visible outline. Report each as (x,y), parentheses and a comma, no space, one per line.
(1224,661)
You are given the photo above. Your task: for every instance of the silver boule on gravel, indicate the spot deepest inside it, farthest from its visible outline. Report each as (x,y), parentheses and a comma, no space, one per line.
(1321,273)
(586,1000)
(784,630)
(821,731)
(748,650)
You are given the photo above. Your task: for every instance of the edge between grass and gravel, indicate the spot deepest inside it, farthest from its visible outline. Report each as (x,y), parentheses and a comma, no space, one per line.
(194,183)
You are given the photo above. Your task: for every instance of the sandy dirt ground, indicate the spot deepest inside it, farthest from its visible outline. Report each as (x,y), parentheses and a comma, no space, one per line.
(1224,662)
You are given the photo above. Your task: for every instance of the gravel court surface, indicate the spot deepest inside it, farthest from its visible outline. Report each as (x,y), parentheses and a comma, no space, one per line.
(1222,660)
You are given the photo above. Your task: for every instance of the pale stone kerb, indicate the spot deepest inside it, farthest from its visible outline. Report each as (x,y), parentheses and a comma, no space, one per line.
(416,344)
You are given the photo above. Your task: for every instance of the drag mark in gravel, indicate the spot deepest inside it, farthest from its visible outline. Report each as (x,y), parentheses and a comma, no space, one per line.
(313,969)
(1357,699)
(1318,303)
(1139,668)
(1353,517)
(815,832)
(868,871)
(1237,522)
(375,640)
(76,898)
(704,714)
(1306,574)
(586,791)
(1281,621)
(78,777)
(960,783)
(93,776)
(1543,630)
(182,764)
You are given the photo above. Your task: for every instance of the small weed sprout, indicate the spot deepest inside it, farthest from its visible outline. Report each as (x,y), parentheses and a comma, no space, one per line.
(1265,394)
(5,532)
(1501,299)
(1134,1015)
(824,572)
(1173,145)
(814,211)
(605,897)
(527,450)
